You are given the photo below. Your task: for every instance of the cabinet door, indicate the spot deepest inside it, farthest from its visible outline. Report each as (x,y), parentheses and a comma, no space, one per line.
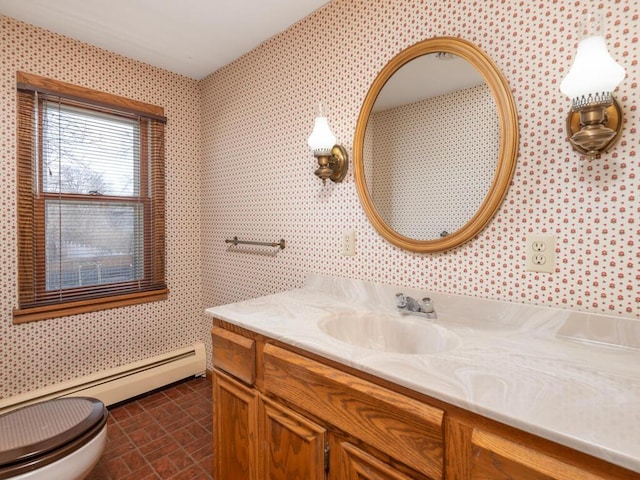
(293,446)
(355,464)
(405,429)
(496,458)
(235,441)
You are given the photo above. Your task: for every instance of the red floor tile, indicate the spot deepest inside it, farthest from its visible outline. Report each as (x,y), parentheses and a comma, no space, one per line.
(160,436)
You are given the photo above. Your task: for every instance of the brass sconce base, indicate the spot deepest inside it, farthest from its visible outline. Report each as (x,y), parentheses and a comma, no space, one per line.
(334,166)
(594,129)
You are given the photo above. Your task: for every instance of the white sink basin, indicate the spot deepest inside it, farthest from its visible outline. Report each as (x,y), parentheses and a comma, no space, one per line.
(389,333)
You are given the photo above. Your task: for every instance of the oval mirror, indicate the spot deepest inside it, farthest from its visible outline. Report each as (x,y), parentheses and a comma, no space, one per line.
(435,145)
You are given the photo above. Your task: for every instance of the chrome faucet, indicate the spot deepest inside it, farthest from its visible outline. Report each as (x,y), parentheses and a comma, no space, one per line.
(412,306)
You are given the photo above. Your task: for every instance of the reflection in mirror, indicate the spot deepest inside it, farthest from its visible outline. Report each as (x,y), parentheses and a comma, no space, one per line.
(431,146)
(435,145)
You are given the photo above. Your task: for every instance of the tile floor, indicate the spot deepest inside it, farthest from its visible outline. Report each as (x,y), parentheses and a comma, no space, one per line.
(166,434)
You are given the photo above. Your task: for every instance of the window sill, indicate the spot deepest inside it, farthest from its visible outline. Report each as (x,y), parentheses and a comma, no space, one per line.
(35,314)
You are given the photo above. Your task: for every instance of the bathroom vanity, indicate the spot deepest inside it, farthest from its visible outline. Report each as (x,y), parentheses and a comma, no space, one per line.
(330,381)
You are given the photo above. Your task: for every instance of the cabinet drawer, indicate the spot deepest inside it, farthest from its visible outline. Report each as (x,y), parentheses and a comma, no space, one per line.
(495,457)
(234,354)
(401,427)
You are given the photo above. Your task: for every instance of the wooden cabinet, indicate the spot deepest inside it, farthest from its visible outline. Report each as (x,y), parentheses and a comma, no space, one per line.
(281,413)
(255,438)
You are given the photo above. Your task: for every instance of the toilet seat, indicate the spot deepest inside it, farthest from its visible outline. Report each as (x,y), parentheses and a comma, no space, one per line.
(37,435)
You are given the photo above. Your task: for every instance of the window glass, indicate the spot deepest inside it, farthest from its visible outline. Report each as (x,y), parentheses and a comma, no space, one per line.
(92,243)
(89,152)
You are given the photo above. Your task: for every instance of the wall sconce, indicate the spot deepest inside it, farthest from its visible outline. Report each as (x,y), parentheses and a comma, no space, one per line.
(333,160)
(595,121)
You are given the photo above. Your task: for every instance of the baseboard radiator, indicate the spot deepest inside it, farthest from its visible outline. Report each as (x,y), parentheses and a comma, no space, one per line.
(121,383)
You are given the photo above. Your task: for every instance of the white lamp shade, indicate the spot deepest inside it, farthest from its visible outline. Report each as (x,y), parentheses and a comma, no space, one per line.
(322,138)
(594,71)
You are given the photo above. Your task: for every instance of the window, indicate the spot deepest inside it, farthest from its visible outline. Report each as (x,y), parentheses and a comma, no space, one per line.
(90,200)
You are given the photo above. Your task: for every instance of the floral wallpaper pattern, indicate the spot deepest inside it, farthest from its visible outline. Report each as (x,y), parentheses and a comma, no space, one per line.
(41,353)
(258,171)
(238,164)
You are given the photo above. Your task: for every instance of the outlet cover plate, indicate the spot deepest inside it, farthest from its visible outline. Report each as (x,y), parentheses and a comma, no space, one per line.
(540,252)
(349,243)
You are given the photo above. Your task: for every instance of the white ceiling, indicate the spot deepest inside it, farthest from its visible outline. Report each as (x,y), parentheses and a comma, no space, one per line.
(190,37)
(427,76)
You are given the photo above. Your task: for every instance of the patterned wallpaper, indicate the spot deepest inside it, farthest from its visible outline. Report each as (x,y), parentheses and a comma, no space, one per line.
(258,171)
(42,353)
(434,161)
(238,164)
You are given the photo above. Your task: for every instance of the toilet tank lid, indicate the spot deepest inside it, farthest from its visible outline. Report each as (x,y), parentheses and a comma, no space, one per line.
(42,427)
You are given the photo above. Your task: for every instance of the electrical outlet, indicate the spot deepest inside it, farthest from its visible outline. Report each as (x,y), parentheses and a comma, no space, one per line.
(349,243)
(540,253)
(538,246)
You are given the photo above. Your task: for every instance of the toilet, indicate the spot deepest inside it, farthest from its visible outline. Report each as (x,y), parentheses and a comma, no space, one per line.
(61,438)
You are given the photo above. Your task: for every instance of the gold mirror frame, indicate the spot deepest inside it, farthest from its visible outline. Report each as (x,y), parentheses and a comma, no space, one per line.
(508,152)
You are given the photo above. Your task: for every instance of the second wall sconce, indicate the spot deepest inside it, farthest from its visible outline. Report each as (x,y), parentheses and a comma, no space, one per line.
(595,121)
(333,160)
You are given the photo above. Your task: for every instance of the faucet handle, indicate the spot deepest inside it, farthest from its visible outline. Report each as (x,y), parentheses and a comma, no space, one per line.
(427,305)
(401,300)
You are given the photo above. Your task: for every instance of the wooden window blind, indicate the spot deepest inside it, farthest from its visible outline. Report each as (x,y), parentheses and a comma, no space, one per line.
(91,200)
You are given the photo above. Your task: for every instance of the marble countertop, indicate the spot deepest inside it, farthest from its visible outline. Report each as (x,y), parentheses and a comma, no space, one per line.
(570,377)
